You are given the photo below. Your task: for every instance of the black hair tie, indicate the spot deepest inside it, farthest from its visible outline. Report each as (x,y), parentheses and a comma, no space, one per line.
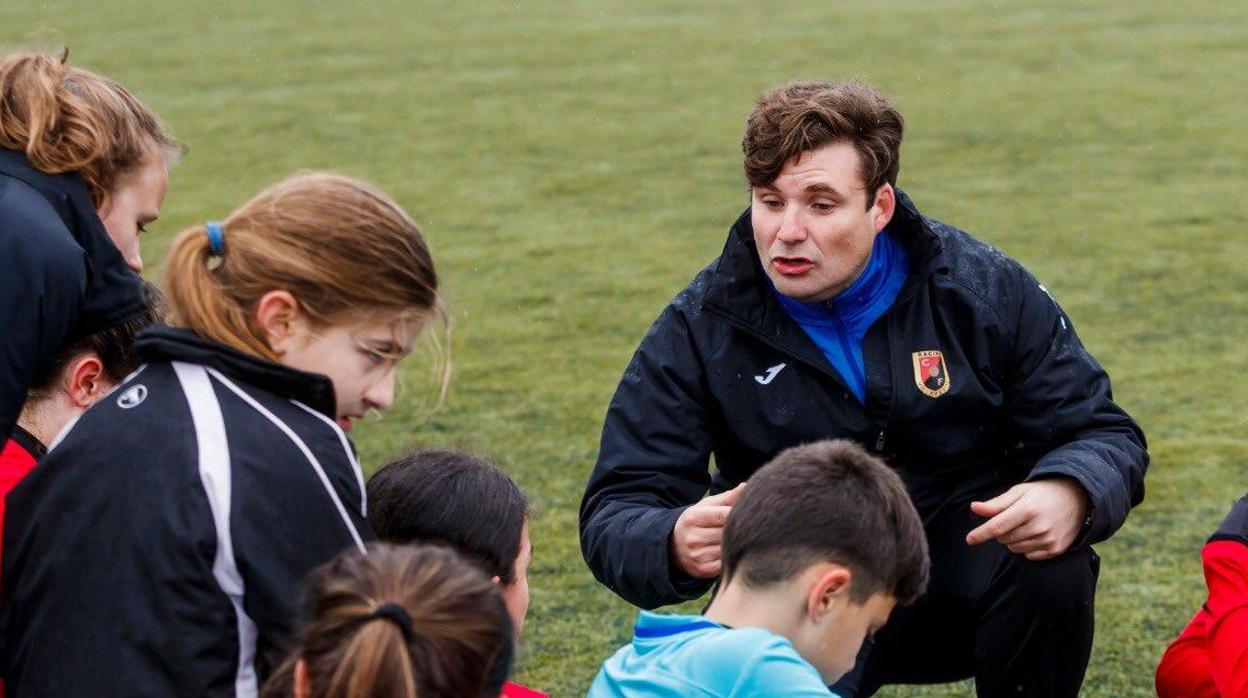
(395,614)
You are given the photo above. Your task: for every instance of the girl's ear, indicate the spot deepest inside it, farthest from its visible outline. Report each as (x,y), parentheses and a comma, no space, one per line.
(279,318)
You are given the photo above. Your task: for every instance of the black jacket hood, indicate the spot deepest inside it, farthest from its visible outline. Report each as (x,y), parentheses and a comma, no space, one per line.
(114,292)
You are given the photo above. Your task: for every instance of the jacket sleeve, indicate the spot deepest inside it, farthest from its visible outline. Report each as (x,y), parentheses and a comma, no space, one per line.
(43,276)
(652,464)
(1226,574)
(1060,405)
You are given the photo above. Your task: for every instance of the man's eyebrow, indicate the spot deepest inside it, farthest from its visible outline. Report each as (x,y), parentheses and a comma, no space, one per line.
(821,188)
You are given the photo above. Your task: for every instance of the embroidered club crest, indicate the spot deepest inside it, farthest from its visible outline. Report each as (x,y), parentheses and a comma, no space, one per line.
(931,376)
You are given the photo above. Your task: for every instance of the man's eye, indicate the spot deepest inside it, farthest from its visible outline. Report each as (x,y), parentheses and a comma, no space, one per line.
(375,357)
(142,228)
(773,203)
(823,207)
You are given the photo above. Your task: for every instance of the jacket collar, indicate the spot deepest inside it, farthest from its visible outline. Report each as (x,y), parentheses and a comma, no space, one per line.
(739,289)
(114,292)
(164,343)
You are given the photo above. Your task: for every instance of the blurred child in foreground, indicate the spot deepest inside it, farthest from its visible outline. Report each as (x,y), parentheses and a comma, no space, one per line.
(399,622)
(461,500)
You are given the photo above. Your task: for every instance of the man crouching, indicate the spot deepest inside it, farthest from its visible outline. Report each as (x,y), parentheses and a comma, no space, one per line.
(837,310)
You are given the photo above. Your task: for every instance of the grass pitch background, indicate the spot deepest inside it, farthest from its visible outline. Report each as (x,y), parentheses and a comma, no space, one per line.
(574,164)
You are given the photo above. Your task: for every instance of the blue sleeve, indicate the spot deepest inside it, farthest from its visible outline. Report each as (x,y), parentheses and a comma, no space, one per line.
(43,276)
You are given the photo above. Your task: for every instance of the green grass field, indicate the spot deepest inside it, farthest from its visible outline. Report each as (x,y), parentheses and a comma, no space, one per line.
(575,163)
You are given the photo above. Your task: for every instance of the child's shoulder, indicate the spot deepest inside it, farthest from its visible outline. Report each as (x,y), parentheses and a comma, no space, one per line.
(753,656)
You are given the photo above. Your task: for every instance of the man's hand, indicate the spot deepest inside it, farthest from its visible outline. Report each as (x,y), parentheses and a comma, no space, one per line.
(1036,519)
(695,540)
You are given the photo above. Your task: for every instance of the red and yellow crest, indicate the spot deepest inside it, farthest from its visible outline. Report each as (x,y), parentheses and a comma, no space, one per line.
(931,375)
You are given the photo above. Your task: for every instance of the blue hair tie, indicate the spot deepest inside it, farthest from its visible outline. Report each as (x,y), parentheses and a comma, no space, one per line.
(216,238)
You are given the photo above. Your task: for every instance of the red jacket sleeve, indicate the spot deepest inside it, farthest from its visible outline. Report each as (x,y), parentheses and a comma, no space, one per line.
(1184,670)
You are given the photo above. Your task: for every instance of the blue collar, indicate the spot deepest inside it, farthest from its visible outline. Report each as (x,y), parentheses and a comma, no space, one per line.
(651,626)
(876,281)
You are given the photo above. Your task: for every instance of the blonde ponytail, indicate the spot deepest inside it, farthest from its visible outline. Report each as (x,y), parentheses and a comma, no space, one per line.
(198,300)
(340,246)
(68,119)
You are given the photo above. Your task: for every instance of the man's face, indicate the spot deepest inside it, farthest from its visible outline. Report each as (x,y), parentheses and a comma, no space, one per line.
(812,225)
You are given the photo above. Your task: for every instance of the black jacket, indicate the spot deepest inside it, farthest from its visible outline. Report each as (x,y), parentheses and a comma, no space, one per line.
(61,276)
(158,550)
(1023,401)
(1235,525)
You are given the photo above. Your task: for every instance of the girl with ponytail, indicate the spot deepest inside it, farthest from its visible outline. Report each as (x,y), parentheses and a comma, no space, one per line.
(399,622)
(154,550)
(83,168)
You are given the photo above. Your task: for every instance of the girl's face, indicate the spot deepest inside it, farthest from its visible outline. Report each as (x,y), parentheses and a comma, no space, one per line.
(360,358)
(516,594)
(133,206)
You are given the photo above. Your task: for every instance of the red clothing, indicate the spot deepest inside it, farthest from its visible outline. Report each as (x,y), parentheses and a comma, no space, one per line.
(18,458)
(515,690)
(1210,657)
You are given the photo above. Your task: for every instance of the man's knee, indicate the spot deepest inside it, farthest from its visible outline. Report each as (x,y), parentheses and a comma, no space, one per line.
(1065,585)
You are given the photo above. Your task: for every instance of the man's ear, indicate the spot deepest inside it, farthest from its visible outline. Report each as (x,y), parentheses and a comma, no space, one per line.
(831,587)
(884,206)
(279,316)
(86,381)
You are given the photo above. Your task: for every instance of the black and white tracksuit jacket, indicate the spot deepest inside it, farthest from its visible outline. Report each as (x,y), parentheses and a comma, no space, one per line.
(61,276)
(725,371)
(159,548)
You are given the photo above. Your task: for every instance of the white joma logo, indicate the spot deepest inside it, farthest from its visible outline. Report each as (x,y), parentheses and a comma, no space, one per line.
(770,375)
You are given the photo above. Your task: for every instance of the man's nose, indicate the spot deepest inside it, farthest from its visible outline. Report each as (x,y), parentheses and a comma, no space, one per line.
(792,230)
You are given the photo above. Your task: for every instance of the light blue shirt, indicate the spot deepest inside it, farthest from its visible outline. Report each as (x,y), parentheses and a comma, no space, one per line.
(690,656)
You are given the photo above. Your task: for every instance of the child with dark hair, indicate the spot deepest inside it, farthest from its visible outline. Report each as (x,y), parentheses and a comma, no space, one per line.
(462,500)
(398,622)
(79,376)
(820,546)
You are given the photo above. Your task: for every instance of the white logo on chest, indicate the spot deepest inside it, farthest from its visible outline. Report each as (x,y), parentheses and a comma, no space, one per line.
(770,375)
(133,397)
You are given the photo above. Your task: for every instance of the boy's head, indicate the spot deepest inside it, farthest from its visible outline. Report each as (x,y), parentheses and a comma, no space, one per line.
(462,500)
(85,370)
(831,528)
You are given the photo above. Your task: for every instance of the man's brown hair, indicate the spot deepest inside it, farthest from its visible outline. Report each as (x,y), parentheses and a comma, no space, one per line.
(799,117)
(828,501)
